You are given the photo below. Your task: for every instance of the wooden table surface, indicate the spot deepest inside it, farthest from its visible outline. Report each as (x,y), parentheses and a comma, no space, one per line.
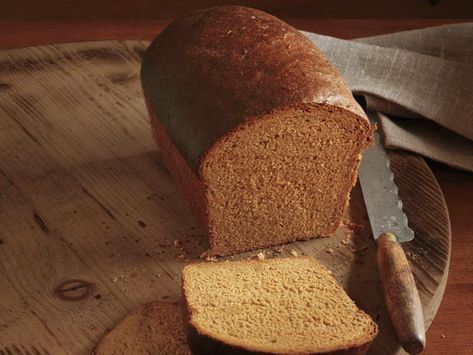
(451,330)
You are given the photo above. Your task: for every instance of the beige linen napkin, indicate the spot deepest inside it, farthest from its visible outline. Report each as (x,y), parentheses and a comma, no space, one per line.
(422,80)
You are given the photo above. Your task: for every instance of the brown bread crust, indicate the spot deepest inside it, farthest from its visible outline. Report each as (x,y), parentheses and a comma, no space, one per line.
(210,71)
(187,181)
(201,344)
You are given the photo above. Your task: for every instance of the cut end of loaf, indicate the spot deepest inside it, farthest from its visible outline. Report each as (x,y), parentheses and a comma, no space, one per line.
(262,134)
(282,177)
(289,306)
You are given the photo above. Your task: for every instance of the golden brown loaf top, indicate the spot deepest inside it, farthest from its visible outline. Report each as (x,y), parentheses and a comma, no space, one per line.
(208,72)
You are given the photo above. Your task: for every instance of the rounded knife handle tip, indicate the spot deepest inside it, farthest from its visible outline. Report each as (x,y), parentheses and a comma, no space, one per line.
(401,294)
(415,345)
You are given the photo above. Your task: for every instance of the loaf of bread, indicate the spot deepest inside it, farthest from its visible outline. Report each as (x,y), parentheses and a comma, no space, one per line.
(258,129)
(277,306)
(153,328)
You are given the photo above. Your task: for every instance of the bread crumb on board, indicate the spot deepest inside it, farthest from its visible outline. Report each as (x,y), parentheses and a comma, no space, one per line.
(261,255)
(205,256)
(352,226)
(180,249)
(209,258)
(359,249)
(177,243)
(348,239)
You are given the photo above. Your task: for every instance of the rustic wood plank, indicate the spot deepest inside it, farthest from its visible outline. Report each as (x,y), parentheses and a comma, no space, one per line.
(455,314)
(93,226)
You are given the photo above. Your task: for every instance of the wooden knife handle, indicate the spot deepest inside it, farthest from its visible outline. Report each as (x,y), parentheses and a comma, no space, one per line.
(400,294)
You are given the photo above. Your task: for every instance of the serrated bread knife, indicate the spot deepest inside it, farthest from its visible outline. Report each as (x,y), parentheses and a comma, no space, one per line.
(389,226)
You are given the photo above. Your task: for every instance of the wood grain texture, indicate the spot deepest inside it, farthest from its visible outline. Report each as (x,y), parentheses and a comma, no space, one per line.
(168,9)
(400,294)
(93,226)
(447,334)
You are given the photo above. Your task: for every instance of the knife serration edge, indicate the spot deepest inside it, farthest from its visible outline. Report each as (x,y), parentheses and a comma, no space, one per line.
(385,208)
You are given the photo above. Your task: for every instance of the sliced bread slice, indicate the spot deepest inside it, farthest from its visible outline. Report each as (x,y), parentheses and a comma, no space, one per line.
(277,306)
(153,328)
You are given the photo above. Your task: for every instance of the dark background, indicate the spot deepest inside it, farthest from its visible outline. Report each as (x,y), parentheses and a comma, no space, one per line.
(11,10)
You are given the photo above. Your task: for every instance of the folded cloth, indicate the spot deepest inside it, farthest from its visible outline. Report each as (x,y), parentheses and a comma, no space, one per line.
(422,80)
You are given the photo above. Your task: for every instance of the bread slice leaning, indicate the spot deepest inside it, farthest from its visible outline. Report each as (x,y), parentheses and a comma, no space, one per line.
(153,328)
(277,306)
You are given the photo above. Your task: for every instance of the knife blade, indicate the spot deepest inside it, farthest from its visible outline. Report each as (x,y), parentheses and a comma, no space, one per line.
(390,227)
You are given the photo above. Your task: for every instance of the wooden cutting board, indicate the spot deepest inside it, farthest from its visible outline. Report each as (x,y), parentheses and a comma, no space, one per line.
(92,225)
